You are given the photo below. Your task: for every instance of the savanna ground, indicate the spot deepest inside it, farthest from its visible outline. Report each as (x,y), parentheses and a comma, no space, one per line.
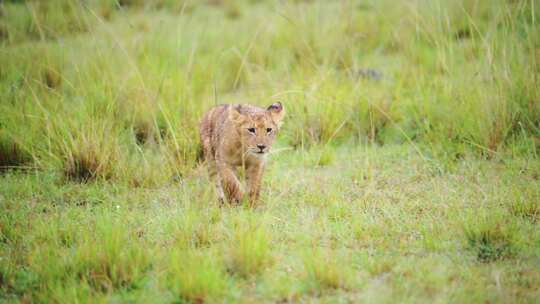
(407,168)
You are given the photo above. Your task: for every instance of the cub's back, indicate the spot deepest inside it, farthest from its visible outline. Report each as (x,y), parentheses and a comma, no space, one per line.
(212,120)
(211,127)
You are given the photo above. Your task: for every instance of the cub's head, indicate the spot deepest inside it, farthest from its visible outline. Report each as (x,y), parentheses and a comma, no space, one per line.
(257,127)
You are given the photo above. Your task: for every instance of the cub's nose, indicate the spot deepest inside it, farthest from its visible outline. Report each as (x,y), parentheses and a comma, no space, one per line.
(261,147)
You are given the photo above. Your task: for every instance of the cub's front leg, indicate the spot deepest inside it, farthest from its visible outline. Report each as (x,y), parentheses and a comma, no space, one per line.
(254,174)
(229,183)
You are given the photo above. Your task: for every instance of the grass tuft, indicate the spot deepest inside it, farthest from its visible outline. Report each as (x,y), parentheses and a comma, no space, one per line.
(323,270)
(326,157)
(86,164)
(111,259)
(526,205)
(144,133)
(193,230)
(490,240)
(52,78)
(195,276)
(12,155)
(249,253)
(88,159)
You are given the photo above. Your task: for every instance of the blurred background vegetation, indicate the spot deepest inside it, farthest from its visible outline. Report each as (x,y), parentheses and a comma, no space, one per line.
(115,89)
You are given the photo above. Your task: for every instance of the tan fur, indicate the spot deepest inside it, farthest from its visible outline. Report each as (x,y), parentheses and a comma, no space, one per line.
(233,136)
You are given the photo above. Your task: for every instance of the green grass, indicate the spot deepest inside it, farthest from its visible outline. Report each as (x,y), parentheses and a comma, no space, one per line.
(196,276)
(406,170)
(379,224)
(249,250)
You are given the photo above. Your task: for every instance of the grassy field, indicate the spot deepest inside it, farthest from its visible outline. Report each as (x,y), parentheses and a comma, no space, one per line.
(407,168)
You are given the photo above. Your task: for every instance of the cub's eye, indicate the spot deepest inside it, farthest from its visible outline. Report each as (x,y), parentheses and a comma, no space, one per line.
(251,130)
(268,130)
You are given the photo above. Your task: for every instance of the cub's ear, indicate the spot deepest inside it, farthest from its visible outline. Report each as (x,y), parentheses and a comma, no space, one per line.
(277,112)
(235,113)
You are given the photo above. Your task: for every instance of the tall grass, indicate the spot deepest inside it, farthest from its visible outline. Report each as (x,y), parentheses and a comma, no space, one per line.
(97,89)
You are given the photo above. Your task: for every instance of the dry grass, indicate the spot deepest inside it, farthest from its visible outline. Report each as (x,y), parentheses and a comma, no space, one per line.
(12,155)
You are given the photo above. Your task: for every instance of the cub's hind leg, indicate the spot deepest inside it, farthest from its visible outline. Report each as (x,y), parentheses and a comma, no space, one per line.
(209,157)
(214,176)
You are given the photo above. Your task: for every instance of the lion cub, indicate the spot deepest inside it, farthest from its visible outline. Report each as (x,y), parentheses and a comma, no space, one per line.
(235,136)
